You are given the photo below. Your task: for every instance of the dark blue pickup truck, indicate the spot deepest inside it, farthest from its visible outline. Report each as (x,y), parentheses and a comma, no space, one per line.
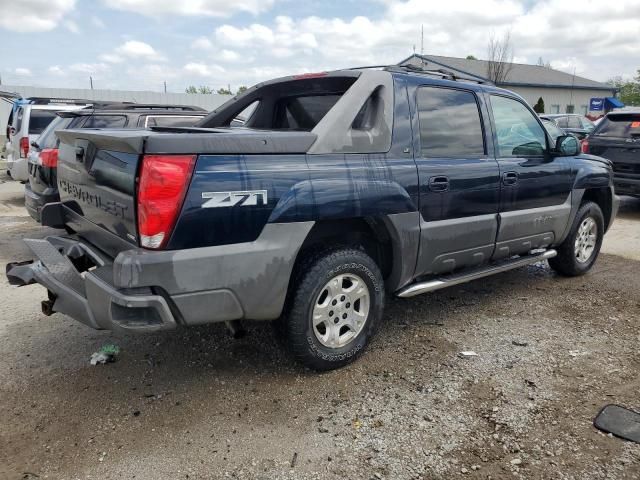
(339,188)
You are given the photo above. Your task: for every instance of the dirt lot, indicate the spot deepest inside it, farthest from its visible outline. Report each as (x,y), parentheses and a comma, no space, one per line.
(197,404)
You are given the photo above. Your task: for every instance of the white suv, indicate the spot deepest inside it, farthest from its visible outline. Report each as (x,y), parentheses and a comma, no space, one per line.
(28,123)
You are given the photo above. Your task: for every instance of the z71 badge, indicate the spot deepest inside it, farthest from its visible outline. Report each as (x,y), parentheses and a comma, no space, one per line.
(231,199)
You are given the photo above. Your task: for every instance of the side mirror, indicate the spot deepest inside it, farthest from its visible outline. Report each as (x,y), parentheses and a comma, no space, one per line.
(567,146)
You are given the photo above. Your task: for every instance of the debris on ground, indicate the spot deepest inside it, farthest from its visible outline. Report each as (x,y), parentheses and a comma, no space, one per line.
(468,353)
(520,343)
(619,421)
(106,354)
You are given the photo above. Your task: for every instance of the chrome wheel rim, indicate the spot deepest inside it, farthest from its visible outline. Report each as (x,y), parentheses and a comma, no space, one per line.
(341,310)
(586,240)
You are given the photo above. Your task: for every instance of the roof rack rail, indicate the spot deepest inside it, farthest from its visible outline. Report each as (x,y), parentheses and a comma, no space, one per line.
(441,72)
(54,100)
(149,106)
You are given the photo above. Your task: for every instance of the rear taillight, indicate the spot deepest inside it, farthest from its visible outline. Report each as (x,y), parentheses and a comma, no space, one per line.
(164,180)
(24,147)
(49,157)
(584,146)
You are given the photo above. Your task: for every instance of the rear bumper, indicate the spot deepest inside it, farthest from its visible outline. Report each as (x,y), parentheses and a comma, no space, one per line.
(18,169)
(627,185)
(141,290)
(34,201)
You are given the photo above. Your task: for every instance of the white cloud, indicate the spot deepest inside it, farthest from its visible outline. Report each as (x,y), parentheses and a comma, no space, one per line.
(111,58)
(209,8)
(97,22)
(89,67)
(23,72)
(203,70)
(55,70)
(33,15)
(71,26)
(202,43)
(136,49)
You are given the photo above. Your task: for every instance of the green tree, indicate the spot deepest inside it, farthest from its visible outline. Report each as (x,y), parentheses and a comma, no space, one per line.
(224,91)
(471,57)
(628,90)
(539,106)
(201,89)
(242,88)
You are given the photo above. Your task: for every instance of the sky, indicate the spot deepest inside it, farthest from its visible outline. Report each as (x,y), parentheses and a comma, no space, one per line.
(140,44)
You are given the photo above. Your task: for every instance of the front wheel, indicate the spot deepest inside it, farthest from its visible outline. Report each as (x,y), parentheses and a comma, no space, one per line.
(336,303)
(579,251)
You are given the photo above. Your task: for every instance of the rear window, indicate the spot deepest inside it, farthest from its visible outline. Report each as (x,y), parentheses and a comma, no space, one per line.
(39,120)
(171,121)
(48,138)
(304,112)
(105,121)
(619,125)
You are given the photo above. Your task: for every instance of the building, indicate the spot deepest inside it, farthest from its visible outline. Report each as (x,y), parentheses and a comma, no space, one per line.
(562,92)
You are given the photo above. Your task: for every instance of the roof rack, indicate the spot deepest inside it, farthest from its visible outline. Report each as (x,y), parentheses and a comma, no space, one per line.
(52,100)
(148,106)
(441,72)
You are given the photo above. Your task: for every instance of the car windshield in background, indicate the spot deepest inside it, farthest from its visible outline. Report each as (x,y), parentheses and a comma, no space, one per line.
(48,138)
(552,128)
(620,126)
(39,120)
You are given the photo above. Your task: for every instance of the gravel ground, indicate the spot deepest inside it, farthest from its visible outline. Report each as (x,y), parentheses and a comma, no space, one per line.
(197,404)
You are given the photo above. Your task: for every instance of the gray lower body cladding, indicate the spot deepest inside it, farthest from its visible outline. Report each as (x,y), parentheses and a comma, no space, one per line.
(142,290)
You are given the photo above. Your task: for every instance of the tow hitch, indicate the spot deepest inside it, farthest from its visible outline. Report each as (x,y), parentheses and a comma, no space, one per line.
(19,273)
(47,305)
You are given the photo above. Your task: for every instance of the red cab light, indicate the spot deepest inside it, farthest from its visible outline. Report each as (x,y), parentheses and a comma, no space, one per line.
(163,184)
(302,76)
(49,157)
(24,147)
(584,146)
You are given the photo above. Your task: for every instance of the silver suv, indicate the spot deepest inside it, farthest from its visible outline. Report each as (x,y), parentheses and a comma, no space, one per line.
(28,123)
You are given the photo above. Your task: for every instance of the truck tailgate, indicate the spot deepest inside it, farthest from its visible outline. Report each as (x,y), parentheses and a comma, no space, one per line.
(97,182)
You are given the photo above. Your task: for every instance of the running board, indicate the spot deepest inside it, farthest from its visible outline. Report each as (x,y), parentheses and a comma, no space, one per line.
(455,279)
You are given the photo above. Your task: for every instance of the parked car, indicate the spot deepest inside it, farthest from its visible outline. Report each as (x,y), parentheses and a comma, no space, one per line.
(339,188)
(579,125)
(617,138)
(42,187)
(27,123)
(552,128)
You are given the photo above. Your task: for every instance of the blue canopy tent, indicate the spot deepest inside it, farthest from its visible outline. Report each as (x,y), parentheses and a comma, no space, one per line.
(612,102)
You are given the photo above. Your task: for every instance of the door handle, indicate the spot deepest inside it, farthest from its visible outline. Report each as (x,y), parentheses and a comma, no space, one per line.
(439,184)
(510,178)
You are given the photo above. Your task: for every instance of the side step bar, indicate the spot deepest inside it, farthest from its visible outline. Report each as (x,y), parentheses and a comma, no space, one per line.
(455,279)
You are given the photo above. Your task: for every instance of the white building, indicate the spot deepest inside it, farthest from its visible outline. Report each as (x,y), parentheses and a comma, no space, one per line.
(562,92)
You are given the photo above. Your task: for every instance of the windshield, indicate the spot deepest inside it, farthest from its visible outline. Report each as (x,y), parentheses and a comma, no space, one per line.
(619,125)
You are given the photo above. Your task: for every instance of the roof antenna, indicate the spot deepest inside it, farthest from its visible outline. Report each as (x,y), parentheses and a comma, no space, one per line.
(422,44)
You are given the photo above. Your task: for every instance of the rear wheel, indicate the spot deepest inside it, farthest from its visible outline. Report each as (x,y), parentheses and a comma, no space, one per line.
(336,304)
(579,251)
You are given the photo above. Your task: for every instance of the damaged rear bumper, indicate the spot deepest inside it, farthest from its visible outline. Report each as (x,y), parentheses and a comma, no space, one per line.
(88,296)
(142,290)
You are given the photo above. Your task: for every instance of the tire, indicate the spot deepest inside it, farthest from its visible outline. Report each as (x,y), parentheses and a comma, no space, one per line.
(345,283)
(579,251)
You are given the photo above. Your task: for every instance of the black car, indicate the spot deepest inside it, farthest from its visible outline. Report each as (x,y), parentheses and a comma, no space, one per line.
(578,125)
(617,138)
(42,187)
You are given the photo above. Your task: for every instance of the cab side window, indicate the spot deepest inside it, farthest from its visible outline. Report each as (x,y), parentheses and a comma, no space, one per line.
(519,132)
(450,124)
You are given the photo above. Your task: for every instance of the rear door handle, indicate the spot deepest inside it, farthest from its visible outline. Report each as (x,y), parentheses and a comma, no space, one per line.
(439,184)
(510,178)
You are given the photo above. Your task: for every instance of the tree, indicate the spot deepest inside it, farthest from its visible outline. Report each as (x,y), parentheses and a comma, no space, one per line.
(242,89)
(499,58)
(224,91)
(201,89)
(542,63)
(539,106)
(628,90)
(471,57)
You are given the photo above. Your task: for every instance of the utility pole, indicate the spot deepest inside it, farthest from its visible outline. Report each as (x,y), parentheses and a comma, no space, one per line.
(573,81)
(91,82)
(422,39)
(165,86)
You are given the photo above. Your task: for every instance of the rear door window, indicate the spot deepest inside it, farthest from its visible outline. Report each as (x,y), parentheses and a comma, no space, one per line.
(105,121)
(17,121)
(39,120)
(574,122)
(450,124)
(620,126)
